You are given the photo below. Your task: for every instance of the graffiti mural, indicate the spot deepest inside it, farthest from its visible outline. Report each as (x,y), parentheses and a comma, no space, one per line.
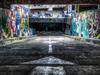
(22,19)
(14,22)
(5,23)
(86,24)
(0,23)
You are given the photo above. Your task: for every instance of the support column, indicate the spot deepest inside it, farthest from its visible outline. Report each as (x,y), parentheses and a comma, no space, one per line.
(77,6)
(98,6)
(77,11)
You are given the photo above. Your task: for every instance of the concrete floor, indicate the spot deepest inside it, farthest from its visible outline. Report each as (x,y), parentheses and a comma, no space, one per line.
(59,55)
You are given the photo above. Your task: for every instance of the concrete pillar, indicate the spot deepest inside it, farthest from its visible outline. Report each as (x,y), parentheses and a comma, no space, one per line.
(98,6)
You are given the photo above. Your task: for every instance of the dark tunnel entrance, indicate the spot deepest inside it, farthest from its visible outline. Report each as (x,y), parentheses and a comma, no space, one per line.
(47,27)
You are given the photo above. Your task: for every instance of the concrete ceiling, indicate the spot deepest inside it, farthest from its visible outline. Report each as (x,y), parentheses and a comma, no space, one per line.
(7,3)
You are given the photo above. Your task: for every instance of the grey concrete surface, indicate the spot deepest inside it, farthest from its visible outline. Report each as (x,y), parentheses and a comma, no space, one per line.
(75,57)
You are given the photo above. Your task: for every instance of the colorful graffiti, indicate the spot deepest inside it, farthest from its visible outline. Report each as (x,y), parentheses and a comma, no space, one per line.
(86,24)
(4,23)
(0,23)
(22,18)
(14,22)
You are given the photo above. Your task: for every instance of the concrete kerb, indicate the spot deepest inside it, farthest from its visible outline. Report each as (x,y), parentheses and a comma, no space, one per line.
(12,40)
(94,41)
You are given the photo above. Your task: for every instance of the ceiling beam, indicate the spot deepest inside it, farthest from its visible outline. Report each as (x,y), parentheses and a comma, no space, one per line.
(7,3)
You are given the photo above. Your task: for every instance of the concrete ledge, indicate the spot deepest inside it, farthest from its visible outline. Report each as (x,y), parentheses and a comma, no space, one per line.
(89,40)
(12,40)
(76,38)
(93,40)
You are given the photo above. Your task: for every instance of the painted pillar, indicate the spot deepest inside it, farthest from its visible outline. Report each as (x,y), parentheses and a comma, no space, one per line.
(18,23)
(1,36)
(85,28)
(79,21)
